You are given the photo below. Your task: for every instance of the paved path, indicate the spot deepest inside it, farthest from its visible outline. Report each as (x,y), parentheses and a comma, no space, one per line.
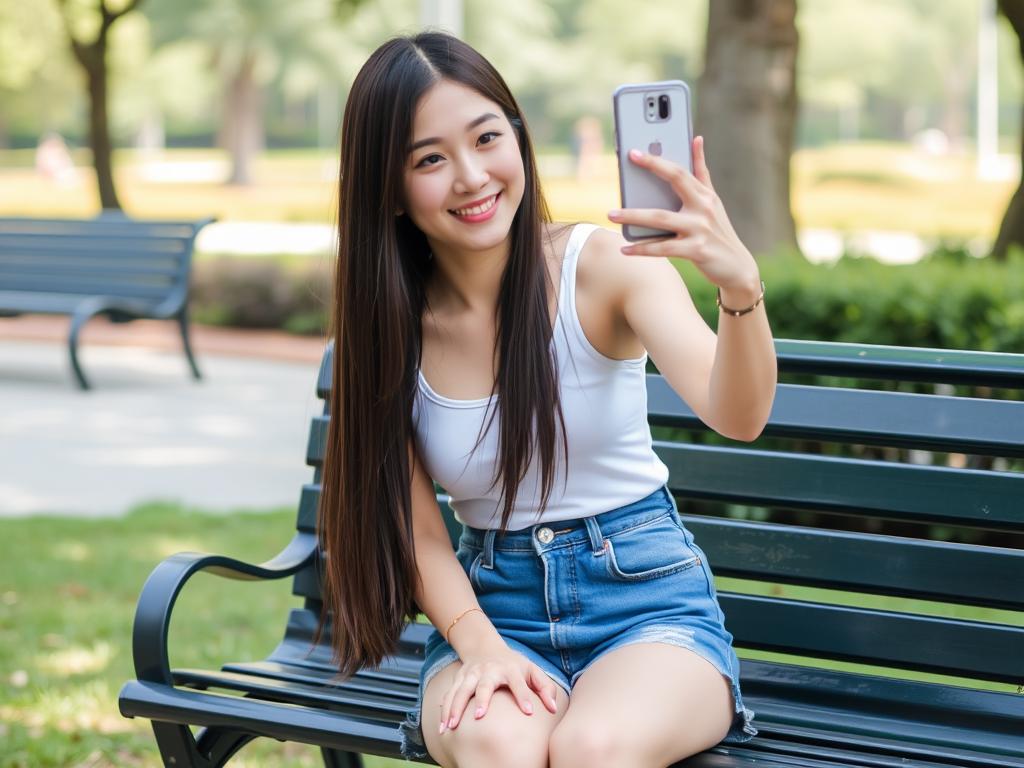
(148,430)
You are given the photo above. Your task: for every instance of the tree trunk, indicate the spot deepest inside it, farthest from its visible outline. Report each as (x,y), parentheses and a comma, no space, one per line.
(243,126)
(99,130)
(92,56)
(747,114)
(1011,230)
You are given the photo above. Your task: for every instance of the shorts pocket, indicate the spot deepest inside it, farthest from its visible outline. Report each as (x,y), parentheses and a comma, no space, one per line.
(649,551)
(469,558)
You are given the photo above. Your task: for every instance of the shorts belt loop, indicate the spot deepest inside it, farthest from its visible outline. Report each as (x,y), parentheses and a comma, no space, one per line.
(487,559)
(596,537)
(672,502)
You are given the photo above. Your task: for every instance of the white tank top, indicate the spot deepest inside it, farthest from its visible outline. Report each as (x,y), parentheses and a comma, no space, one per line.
(604,402)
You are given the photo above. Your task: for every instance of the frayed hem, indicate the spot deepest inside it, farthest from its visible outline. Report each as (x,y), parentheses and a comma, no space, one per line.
(412,746)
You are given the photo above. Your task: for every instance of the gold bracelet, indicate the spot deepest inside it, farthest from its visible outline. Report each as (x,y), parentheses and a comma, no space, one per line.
(455,620)
(738,312)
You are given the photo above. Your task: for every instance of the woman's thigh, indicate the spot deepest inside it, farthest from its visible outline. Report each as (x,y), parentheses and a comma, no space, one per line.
(505,735)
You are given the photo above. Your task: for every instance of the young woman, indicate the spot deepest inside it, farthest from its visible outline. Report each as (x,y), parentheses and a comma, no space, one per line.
(480,345)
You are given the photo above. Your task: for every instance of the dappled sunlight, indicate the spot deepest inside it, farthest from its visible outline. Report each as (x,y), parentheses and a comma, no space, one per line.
(72,551)
(91,707)
(76,660)
(163,547)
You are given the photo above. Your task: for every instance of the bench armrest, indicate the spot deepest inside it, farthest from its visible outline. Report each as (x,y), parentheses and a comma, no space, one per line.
(159,593)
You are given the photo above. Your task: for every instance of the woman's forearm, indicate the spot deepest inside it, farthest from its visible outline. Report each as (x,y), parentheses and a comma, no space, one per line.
(745,370)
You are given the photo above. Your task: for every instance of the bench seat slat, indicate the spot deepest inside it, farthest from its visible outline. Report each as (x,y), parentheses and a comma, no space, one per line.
(889,565)
(971,649)
(898,419)
(918,493)
(393,703)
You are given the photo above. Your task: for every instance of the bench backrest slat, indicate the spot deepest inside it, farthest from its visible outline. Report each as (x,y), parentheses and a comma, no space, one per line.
(909,641)
(866,488)
(106,256)
(867,417)
(918,364)
(887,565)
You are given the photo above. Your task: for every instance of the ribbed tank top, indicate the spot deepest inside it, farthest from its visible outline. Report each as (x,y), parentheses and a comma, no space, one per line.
(604,402)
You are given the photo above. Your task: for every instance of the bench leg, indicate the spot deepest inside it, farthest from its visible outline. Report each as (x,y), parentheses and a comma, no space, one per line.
(183,324)
(334,758)
(76,326)
(214,747)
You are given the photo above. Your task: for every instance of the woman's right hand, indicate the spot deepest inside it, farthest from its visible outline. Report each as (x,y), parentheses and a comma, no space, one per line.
(482,675)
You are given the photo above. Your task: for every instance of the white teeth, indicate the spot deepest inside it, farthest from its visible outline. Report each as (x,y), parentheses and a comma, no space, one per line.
(476,210)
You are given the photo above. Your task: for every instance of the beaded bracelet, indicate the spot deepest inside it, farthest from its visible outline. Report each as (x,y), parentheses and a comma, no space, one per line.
(738,312)
(455,620)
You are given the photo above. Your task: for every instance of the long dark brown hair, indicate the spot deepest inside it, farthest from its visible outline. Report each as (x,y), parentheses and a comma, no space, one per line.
(383,266)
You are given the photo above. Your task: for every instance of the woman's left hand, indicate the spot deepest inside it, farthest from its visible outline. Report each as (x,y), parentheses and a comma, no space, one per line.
(703,232)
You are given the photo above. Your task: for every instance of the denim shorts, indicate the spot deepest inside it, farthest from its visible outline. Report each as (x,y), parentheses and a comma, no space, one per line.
(566,593)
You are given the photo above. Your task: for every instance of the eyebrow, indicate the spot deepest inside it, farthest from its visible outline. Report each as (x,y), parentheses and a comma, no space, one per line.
(473,124)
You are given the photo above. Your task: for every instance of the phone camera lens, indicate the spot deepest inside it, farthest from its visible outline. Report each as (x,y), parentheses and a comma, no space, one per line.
(663,106)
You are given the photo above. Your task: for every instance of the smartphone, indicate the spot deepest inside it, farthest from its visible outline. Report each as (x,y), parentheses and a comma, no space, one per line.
(654,118)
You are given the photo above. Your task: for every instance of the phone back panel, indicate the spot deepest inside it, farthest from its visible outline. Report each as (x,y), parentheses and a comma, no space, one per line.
(638,187)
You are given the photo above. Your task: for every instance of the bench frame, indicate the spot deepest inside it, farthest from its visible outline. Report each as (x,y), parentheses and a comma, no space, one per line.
(89,239)
(878,721)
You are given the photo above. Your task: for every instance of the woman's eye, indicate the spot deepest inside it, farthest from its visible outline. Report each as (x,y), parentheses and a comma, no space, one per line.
(424,162)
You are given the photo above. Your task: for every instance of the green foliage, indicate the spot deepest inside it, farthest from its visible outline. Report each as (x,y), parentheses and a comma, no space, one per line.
(948,300)
(261,293)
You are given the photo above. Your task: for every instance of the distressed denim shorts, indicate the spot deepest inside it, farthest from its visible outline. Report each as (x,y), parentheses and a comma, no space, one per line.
(566,593)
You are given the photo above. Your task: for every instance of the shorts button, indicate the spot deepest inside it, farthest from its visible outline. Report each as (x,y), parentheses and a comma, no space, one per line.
(545,535)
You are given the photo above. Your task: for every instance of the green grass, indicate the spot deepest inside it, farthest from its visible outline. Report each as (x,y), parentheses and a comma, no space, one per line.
(69,595)
(66,610)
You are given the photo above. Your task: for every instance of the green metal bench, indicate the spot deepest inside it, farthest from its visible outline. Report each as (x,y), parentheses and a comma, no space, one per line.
(807,713)
(111,265)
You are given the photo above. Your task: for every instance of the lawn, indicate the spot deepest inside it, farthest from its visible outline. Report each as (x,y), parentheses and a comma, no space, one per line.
(65,627)
(860,186)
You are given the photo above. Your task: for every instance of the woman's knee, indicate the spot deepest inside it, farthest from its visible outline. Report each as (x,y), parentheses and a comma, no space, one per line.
(504,736)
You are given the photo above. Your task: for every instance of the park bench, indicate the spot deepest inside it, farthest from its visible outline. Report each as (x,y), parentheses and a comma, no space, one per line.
(810,710)
(110,265)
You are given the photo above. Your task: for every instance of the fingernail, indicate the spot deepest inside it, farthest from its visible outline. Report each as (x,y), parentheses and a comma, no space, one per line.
(479,712)
(451,723)
(636,154)
(529,708)
(614,214)
(440,728)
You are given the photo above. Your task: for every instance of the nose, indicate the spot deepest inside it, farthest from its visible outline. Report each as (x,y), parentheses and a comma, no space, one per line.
(470,174)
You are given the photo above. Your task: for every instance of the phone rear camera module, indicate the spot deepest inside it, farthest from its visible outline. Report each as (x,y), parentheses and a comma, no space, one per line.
(650,108)
(663,107)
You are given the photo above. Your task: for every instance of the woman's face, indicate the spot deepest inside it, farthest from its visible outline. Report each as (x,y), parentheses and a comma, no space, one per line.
(463,188)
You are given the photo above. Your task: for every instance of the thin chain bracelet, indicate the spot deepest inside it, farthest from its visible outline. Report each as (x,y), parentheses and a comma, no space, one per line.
(738,312)
(455,621)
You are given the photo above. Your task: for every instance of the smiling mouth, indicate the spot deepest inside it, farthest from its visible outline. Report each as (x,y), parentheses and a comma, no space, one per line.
(476,210)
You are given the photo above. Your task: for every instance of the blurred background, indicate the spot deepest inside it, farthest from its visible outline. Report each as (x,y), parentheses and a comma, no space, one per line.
(868,153)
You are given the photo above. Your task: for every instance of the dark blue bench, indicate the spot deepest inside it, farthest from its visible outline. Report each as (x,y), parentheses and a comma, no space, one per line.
(111,265)
(808,714)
